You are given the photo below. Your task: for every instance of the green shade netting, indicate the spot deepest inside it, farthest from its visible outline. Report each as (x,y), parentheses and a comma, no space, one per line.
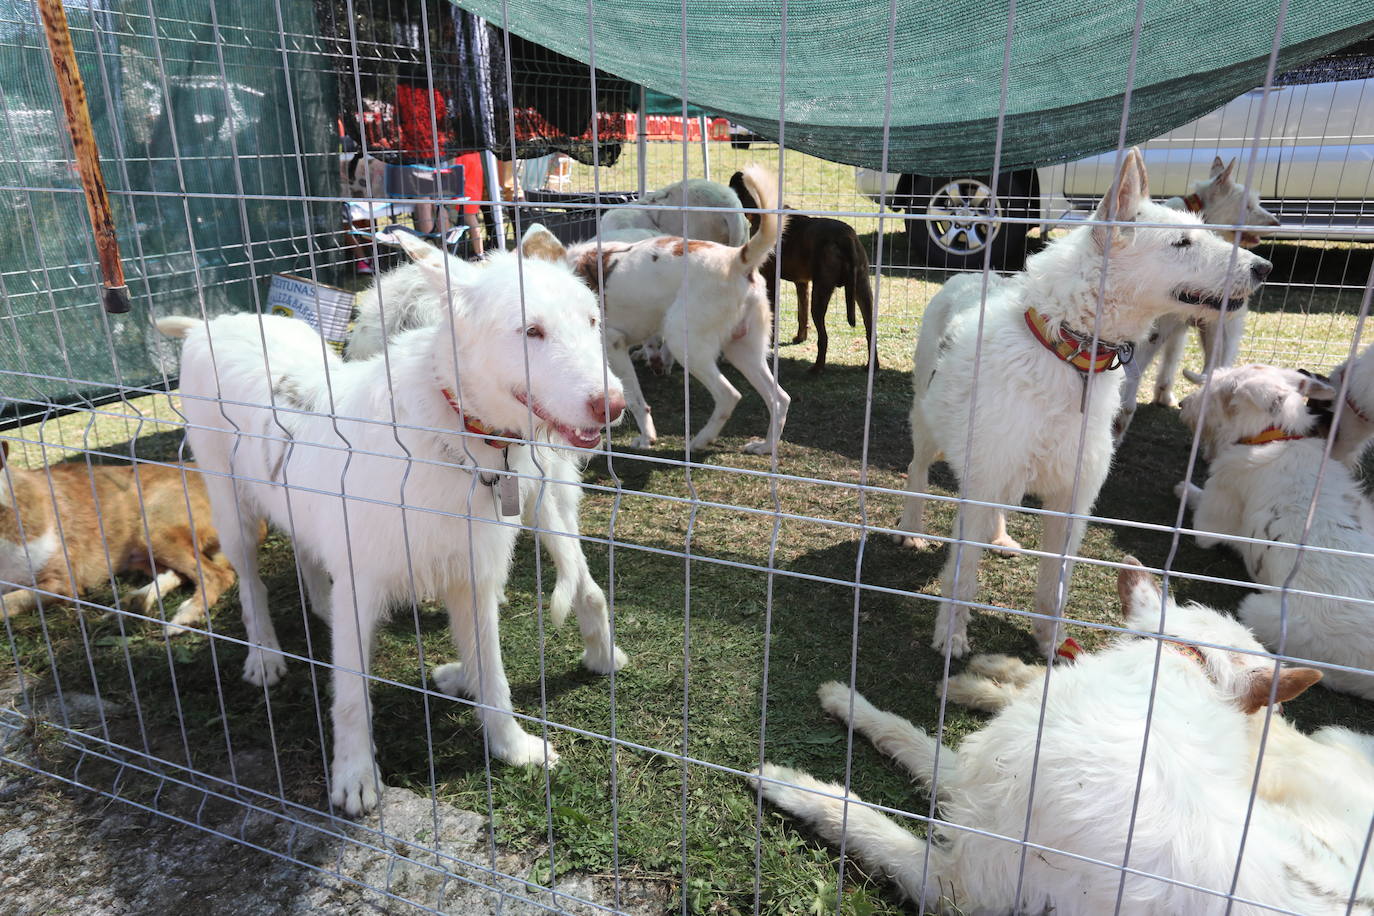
(1064,97)
(204,113)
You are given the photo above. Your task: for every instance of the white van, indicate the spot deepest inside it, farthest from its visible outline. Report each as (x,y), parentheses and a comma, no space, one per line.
(1314,168)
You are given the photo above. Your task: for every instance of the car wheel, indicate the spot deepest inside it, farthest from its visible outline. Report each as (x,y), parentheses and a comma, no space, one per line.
(962,220)
(739,144)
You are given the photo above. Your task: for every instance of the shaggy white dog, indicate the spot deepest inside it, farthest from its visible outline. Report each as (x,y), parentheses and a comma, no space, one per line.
(1263,473)
(725,223)
(1221,201)
(714,305)
(1201,706)
(550,493)
(388,498)
(1355,418)
(1004,399)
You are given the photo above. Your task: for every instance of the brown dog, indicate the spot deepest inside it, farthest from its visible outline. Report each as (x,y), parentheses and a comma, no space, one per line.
(72,527)
(817,256)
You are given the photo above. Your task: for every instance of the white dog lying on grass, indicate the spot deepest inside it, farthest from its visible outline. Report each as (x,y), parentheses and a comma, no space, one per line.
(1004,399)
(286,431)
(1263,473)
(1303,849)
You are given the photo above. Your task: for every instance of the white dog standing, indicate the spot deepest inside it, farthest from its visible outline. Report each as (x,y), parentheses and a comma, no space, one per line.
(1030,374)
(1204,716)
(715,304)
(403,299)
(1263,473)
(288,432)
(1219,200)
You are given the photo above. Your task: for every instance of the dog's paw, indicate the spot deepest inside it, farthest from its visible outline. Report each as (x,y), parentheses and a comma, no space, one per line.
(642,442)
(958,644)
(799,338)
(758,447)
(911,541)
(1164,397)
(1187,491)
(521,749)
(189,614)
(452,679)
(834,698)
(355,786)
(598,661)
(1006,545)
(263,668)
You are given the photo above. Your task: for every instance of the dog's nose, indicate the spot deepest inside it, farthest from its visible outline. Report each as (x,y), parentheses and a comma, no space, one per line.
(607,408)
(1261,270)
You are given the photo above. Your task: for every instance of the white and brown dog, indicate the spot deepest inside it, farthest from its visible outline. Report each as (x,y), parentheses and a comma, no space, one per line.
(1172,733)
(705,300)
(359,461)
(654,215)
(1266,469)
(1002,394)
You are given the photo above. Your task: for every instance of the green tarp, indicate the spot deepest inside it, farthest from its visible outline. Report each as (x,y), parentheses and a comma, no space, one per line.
(1068,67)
(205,113)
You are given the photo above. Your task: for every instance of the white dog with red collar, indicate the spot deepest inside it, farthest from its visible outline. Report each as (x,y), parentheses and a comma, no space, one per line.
(1265,468)
(371,469)
(1014,401)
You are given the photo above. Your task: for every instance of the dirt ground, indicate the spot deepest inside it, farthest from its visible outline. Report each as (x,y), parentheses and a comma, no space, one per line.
(167,846)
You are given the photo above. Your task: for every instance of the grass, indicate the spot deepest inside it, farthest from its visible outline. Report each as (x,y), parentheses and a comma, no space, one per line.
(773,587)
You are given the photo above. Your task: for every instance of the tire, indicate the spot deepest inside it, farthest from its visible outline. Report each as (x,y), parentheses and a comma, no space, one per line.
(739,144)
(961,228)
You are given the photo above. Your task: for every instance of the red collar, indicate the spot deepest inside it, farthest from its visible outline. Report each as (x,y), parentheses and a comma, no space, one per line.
(473,425)
(1355,408)
(1076,349)
(1069,650)
(1193,202)
(1272,434)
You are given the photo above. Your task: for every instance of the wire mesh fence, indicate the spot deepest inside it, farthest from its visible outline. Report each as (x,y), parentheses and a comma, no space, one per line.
(352,661)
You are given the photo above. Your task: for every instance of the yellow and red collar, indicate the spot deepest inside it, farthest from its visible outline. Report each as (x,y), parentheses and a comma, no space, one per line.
(1077,349)
(1272,434)
(474,425)
(1191,651)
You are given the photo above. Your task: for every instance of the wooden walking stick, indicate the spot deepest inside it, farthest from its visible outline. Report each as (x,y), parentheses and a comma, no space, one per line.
(116,293)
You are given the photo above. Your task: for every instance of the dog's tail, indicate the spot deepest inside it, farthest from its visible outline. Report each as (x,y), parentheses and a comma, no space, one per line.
(762,186)
(178,325)
(870,837)
(858,291)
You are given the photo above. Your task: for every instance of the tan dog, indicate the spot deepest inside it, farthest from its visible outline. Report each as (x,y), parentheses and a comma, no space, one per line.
(71,527)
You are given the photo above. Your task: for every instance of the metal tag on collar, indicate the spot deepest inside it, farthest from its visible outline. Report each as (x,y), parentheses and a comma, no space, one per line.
(508,489)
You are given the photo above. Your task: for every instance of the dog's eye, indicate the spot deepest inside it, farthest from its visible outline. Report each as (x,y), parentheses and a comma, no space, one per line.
(1183,242)
(593,321)
(534,331)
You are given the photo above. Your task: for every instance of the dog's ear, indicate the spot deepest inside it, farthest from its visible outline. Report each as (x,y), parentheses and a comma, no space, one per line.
(1223,174)
(1131,188)
(443,271)
(541,243)
(1316,388)
(1292,682)
(1141,598)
